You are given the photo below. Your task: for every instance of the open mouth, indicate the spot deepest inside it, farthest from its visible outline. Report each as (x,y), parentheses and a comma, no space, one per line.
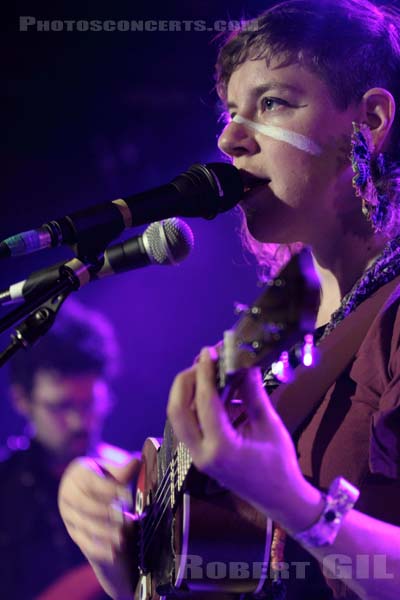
(251,181)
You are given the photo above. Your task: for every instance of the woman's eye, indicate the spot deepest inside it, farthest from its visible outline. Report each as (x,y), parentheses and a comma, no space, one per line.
(271,104)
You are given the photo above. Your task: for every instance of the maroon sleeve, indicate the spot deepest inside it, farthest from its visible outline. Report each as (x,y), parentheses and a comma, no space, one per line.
(385,424)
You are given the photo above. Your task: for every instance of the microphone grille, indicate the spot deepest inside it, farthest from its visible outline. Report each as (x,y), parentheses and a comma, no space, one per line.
(168,242)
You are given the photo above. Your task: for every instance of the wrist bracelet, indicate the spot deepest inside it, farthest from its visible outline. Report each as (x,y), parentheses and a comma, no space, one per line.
(341,497)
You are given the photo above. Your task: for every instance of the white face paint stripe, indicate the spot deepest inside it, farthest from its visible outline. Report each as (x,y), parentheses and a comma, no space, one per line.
(283,135)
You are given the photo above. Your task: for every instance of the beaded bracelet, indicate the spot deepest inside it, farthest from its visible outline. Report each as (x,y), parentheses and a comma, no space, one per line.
(341,497)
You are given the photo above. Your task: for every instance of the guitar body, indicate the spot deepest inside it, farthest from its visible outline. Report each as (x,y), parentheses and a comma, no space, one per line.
(194,538)
(212,543)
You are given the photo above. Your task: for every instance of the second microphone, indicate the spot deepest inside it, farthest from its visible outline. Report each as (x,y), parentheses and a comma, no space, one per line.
(166,242)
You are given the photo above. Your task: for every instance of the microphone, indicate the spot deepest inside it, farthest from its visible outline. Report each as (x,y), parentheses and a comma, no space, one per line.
(204,190)
(164,243)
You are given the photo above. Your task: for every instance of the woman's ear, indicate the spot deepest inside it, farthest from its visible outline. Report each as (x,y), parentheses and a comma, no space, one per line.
(378,112)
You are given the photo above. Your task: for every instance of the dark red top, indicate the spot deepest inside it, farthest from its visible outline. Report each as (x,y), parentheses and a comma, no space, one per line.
(355,432)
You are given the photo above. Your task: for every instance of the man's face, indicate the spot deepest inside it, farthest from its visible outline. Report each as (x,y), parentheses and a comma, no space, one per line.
(305,191)
(68,412)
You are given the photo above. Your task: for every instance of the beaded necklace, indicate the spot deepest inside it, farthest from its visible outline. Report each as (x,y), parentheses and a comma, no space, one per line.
(385,268)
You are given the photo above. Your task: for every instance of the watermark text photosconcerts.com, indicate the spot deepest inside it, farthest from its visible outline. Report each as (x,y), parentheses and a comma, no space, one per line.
(30,23)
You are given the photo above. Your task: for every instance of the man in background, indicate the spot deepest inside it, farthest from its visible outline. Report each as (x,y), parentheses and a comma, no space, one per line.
(62,388)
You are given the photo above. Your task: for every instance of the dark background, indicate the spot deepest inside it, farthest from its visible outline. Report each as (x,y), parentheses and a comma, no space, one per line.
(87,117)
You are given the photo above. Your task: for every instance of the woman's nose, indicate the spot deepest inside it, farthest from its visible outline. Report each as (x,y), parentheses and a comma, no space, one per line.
(237,140)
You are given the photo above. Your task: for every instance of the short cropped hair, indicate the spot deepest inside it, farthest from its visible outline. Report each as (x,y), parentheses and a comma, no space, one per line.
(81,340)
(351,45)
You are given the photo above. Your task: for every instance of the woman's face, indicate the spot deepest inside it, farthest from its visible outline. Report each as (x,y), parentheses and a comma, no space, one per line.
(304,156)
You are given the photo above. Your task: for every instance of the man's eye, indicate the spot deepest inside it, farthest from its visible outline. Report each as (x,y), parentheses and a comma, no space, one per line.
(271,104)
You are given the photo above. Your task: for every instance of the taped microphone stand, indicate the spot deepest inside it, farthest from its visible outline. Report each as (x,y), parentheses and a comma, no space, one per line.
(40,310)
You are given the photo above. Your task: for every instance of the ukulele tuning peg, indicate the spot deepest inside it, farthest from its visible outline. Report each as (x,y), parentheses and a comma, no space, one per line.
(253,347)
(240,309)
(278,282)
(256,346)
(245,309)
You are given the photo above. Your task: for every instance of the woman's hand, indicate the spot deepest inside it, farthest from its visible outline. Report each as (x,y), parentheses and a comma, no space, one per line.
(94,503)
(258,462)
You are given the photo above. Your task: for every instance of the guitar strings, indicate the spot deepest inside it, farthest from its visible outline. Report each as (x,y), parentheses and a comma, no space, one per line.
(148,536)
(162,497)
(153,522)
(147,539)
(160,502)
(166,481)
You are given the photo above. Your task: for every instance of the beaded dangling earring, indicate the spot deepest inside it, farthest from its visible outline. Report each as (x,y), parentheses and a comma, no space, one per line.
(369,170)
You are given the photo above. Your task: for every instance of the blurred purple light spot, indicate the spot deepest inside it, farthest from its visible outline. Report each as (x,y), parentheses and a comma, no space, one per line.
(308,350)
(17,442)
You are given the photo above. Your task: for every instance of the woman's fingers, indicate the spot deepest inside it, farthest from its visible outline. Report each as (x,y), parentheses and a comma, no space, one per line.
(106,533)
(196,412)
(92,501)
(89,509)
(213,418)
(87,497)
(200,419)
(262,416)
(124,474)
(181,411)
(84,477)
(95,549)
(211,412)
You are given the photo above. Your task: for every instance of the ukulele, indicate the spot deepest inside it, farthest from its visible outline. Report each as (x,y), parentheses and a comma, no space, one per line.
(194,537)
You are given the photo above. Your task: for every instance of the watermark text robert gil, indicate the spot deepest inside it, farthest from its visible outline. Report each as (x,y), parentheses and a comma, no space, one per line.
(335,566)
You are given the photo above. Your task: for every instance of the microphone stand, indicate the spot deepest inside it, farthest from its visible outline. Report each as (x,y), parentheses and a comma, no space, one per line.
(33,327)
(39,312)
